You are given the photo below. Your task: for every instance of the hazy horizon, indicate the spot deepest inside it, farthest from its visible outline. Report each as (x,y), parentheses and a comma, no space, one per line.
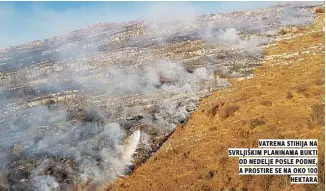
(29,21)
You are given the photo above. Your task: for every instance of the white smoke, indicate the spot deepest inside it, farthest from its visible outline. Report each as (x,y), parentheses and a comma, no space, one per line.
(131,147)
(45,183)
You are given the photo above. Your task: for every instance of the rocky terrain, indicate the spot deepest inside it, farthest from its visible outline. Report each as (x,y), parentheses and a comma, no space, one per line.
(76,107)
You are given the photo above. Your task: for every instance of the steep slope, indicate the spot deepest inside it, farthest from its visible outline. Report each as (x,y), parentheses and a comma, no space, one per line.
(75,107)
(285,99)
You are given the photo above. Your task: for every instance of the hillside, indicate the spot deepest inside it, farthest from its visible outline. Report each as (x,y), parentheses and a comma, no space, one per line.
(284,99)
(85,108)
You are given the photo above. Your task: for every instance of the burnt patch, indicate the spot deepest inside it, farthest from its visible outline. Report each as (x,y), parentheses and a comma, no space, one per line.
(86,116)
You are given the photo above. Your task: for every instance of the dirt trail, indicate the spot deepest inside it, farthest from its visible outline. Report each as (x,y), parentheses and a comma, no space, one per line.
(285,99)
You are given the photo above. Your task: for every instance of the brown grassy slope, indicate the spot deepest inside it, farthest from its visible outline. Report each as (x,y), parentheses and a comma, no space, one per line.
(284,100)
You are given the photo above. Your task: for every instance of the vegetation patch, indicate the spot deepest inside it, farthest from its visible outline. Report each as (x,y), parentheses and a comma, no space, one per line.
(317,117)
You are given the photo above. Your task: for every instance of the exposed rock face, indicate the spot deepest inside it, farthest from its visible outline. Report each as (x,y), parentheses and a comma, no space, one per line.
(70,102)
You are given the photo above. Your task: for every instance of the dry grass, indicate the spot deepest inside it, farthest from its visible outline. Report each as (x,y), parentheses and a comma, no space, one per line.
(214,108)
(317,117)
(222,109)
(301,89)
(320,10)
(266,103)
(289,95)
(297,95)
(227,111)
(283,32)
(255,122)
